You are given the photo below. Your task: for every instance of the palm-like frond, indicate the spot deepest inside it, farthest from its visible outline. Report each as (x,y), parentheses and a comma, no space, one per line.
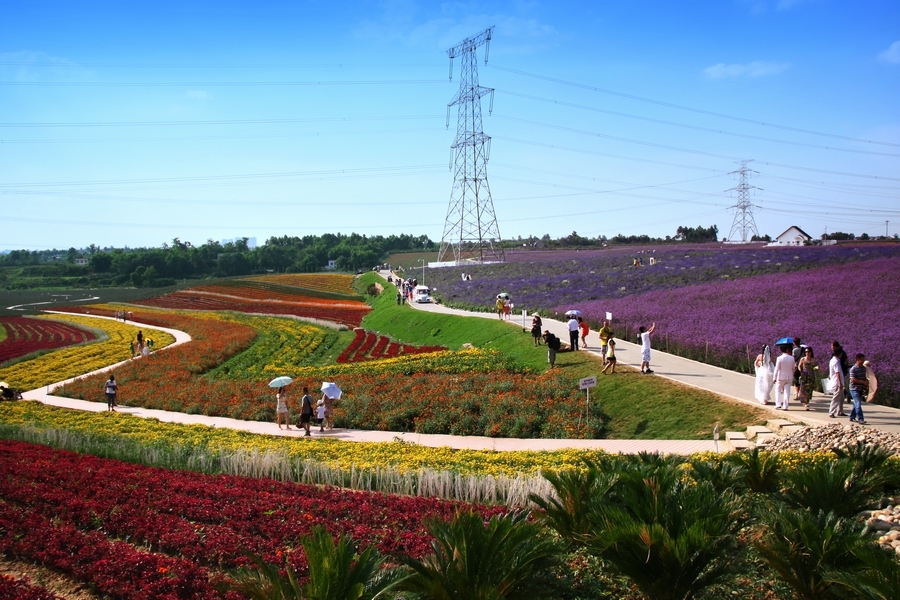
(575,489)
(762,471)
(810,552)
(670,535)
(507,558)
(837,486)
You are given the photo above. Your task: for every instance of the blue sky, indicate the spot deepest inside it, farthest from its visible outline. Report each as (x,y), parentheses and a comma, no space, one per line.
(131,126)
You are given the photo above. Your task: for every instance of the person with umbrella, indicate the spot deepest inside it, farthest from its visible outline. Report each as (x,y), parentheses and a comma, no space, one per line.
(572,324)
(281,407)
(330,393)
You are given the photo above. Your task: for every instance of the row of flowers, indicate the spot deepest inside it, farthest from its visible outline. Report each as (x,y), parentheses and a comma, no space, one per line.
(213,441)
(368,345)
(12,588)
(74,361)
(78,511)
(728,322)
(332,283)
(345,313)
(25,335)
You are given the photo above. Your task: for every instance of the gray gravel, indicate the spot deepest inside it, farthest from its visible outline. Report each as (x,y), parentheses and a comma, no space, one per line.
(827,437)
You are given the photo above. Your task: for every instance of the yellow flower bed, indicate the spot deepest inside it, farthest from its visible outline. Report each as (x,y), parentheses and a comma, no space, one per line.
(331,453)
(77,360)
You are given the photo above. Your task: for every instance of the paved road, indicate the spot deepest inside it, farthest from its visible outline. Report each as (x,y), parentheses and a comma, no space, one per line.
(726,383)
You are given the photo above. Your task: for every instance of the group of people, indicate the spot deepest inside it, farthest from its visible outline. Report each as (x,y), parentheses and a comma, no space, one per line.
(797,370)
(578,329)
(405,289)
(323,411)
(504,306)
(123,315)
(140,346)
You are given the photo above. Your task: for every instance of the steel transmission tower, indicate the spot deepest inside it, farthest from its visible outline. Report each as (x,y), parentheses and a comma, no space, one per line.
(470,229)
(743,210)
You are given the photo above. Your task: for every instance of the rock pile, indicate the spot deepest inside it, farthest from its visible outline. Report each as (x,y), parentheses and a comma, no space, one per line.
(827,437)
(887,523)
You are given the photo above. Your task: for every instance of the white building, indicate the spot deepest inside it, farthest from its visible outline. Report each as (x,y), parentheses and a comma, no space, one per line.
(793,236)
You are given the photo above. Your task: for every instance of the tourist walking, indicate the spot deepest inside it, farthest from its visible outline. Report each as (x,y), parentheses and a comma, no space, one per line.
(859,388)
(572,324)
(845,367)
(605,334)
(645,347)
(808,368)
(610,357)
(837,381)
(140,341)
(111,388)
(320,414)
(281,408)
(765,367)
(328,404)
(798,352)
(784,375)
(306,411)
(585,330)
(553,345)
(499,305)
(536,326)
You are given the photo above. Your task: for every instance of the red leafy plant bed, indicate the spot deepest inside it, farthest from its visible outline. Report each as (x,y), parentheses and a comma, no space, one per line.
(142,532)
(368,345)
(20,589)
(25,335)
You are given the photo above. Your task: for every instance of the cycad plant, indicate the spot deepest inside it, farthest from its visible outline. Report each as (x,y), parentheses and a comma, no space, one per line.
(336,572)
(566,512)
(835,486)
(507,558)
(671,535)
(762,471)
(822,556)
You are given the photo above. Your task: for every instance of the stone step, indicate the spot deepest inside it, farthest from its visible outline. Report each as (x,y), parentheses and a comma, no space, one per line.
(790,429)
(754,431)
(760,437)
(735,435)
(741,444)
(775,425)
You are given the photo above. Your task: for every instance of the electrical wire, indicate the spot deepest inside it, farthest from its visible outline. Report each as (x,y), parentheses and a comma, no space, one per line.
(216,83)
(690,109)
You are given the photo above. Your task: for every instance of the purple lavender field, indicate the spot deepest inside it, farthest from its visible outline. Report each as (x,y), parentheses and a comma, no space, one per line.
(857,304)
(562,279)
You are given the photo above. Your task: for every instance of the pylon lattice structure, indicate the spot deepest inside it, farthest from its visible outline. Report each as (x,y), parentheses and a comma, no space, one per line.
(744,223)
(471,232)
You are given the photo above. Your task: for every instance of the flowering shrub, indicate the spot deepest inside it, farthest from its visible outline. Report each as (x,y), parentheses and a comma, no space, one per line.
(73,361)
(858,306)
(67,510)
(25,335)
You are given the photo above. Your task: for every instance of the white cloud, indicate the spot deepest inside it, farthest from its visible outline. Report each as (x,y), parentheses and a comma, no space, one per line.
(198,95)
(756,68)
(892,54)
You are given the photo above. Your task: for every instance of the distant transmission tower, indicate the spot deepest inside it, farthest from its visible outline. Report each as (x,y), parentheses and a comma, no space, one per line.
(743,210)
(470,229)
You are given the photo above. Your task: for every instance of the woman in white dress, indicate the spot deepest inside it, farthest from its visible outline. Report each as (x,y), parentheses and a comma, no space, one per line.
(765,369)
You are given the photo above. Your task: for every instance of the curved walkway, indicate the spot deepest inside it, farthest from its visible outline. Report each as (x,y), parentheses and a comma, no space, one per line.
(723,382)
(720,381)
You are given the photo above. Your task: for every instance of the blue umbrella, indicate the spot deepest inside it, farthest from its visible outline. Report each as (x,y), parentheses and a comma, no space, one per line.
(784,341)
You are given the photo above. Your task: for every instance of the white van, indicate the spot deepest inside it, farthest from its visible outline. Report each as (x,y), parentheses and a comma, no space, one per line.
(421,293)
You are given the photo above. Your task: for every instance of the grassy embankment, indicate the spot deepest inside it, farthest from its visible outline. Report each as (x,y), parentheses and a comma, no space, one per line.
(637,407)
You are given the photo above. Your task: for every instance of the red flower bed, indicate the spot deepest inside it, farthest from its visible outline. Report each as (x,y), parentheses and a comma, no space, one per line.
(367,345)
(345,312)
(25,335)
(71,512)
(19,589)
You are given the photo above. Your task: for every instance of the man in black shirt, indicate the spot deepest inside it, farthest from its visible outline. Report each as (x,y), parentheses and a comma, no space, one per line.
(859,388)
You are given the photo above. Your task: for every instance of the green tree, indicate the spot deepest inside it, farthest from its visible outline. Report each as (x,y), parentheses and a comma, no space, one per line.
(506,559)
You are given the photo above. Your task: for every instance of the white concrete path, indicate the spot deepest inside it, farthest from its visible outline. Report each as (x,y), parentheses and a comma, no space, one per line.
(723,382)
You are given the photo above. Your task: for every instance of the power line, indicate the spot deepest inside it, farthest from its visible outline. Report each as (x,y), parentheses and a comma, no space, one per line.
(213,122)
(687,126)
(694,110)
